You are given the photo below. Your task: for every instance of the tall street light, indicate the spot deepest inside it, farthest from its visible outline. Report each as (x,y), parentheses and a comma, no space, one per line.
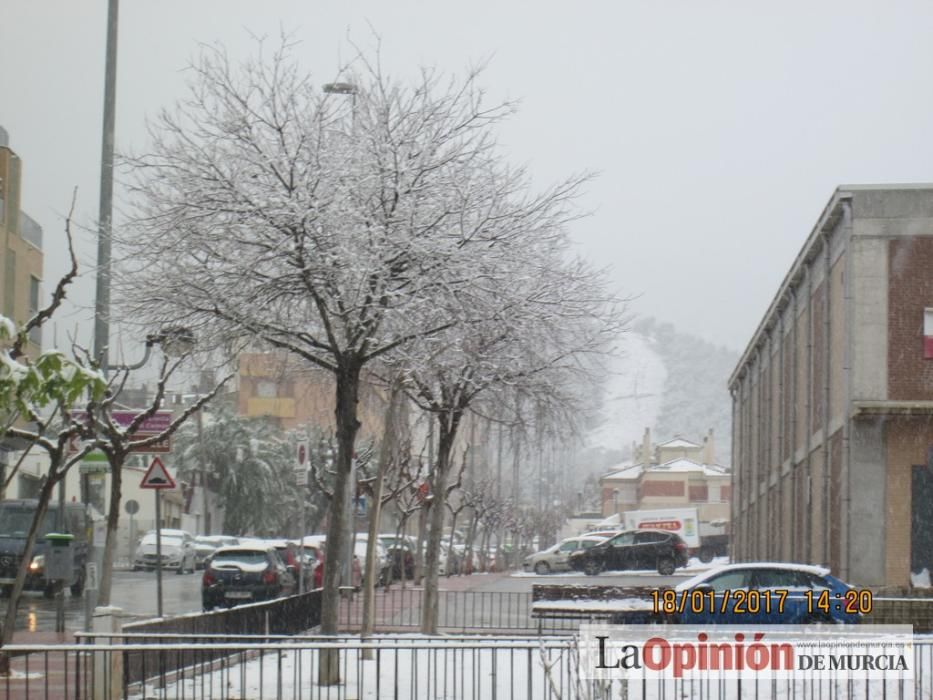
(350,500)
(105,215)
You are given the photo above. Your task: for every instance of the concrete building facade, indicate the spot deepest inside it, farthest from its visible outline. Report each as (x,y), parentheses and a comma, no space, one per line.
(833,397)
(20,247)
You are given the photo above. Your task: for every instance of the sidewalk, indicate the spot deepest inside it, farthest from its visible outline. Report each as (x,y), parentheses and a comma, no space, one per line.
(51,674)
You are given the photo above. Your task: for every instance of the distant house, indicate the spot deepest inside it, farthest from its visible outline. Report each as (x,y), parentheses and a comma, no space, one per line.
(678,473)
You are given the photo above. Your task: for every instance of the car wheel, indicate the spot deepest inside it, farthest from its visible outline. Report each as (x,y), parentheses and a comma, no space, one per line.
(706,555)
(181,568)
(666,566)
(542,568)
(592,567)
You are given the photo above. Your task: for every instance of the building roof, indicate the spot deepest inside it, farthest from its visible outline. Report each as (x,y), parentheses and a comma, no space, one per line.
(688,465)
(678,442)
(625,471)
(680,464)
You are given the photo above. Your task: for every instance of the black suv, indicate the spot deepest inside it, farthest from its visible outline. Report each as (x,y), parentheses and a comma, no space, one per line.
(633,549)
(244,574)
(15,519)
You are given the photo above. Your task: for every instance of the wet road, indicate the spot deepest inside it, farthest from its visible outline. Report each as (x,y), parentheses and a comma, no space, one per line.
(134,592)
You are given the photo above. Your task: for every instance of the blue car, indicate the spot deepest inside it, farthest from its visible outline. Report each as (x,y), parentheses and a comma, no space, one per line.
(765,593)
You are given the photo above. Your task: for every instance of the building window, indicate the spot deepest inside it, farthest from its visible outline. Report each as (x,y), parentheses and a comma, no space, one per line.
(928,334)
(266,389)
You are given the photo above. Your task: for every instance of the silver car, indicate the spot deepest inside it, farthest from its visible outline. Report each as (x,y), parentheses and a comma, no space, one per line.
(557,557)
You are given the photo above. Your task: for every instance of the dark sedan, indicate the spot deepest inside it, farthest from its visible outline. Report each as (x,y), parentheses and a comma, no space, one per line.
(633,549)
(244,574)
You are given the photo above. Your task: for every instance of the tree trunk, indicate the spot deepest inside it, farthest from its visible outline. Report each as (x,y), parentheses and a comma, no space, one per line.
(45,495)
(450,546)
(471,537)
(347,390)
(113,521)
(425,508)
(423,514)
(386,454)
(446,434)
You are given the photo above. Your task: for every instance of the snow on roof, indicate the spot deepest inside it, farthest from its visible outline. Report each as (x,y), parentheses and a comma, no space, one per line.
(688,465)
(625,471)
(678,442)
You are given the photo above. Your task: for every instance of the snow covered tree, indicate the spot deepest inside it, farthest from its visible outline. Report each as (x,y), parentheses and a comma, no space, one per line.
(327,225)
(538,313)
(249,463)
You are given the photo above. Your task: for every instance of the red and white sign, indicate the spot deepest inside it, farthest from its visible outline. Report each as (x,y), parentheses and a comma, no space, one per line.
(672,525)
(152,426)
(157,476)
(928,334)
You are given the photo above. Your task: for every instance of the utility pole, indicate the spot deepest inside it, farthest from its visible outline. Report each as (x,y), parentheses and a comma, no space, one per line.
(102,302)
(105,215)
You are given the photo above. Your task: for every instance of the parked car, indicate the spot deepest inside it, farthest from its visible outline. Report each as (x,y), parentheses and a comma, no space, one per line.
(290,553)
(402,555)
(244,574)
(177,551)
(205,545)
(633,549)
(319,544)
(787,594)
(383,561)
(557,557)
(15,520)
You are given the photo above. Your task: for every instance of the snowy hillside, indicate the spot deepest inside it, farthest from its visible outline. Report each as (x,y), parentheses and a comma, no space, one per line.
(673,383)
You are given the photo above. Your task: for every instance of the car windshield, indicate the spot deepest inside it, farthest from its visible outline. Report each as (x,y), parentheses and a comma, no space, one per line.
(15,522)
(238,558)
(170,540)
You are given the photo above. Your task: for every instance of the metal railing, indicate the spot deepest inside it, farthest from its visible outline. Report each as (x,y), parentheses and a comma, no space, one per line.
(282,616)
(402,668)
(458,611)
(290,615)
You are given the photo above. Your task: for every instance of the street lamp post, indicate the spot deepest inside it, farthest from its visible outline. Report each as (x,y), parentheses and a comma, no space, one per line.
(350,500)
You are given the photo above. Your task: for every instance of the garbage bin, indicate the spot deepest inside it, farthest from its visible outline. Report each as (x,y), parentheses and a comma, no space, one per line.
(59,557)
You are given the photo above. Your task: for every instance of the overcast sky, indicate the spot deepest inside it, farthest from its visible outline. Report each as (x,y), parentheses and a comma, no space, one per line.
(719,129)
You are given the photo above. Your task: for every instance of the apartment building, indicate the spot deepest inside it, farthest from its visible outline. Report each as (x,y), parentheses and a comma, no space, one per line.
(20,247)
(833,397)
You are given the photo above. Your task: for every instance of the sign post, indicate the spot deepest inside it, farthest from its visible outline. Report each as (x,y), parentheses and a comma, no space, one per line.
(158,478)
(301,479)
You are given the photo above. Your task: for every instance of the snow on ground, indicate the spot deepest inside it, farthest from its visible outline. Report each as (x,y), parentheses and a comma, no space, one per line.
(594,604)
(420,667)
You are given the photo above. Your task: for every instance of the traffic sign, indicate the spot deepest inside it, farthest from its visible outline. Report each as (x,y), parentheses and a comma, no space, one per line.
(152,426)
(157,476)
(131,507)
(301,455)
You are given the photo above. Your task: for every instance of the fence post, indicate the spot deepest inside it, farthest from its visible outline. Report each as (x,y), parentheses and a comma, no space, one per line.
(107,682)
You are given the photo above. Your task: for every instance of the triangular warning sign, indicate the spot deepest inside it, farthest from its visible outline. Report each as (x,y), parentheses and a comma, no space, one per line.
(157,477)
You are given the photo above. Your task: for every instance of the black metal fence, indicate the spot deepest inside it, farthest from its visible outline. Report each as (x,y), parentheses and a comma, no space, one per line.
(458,611)
(283,616)
(402,668)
